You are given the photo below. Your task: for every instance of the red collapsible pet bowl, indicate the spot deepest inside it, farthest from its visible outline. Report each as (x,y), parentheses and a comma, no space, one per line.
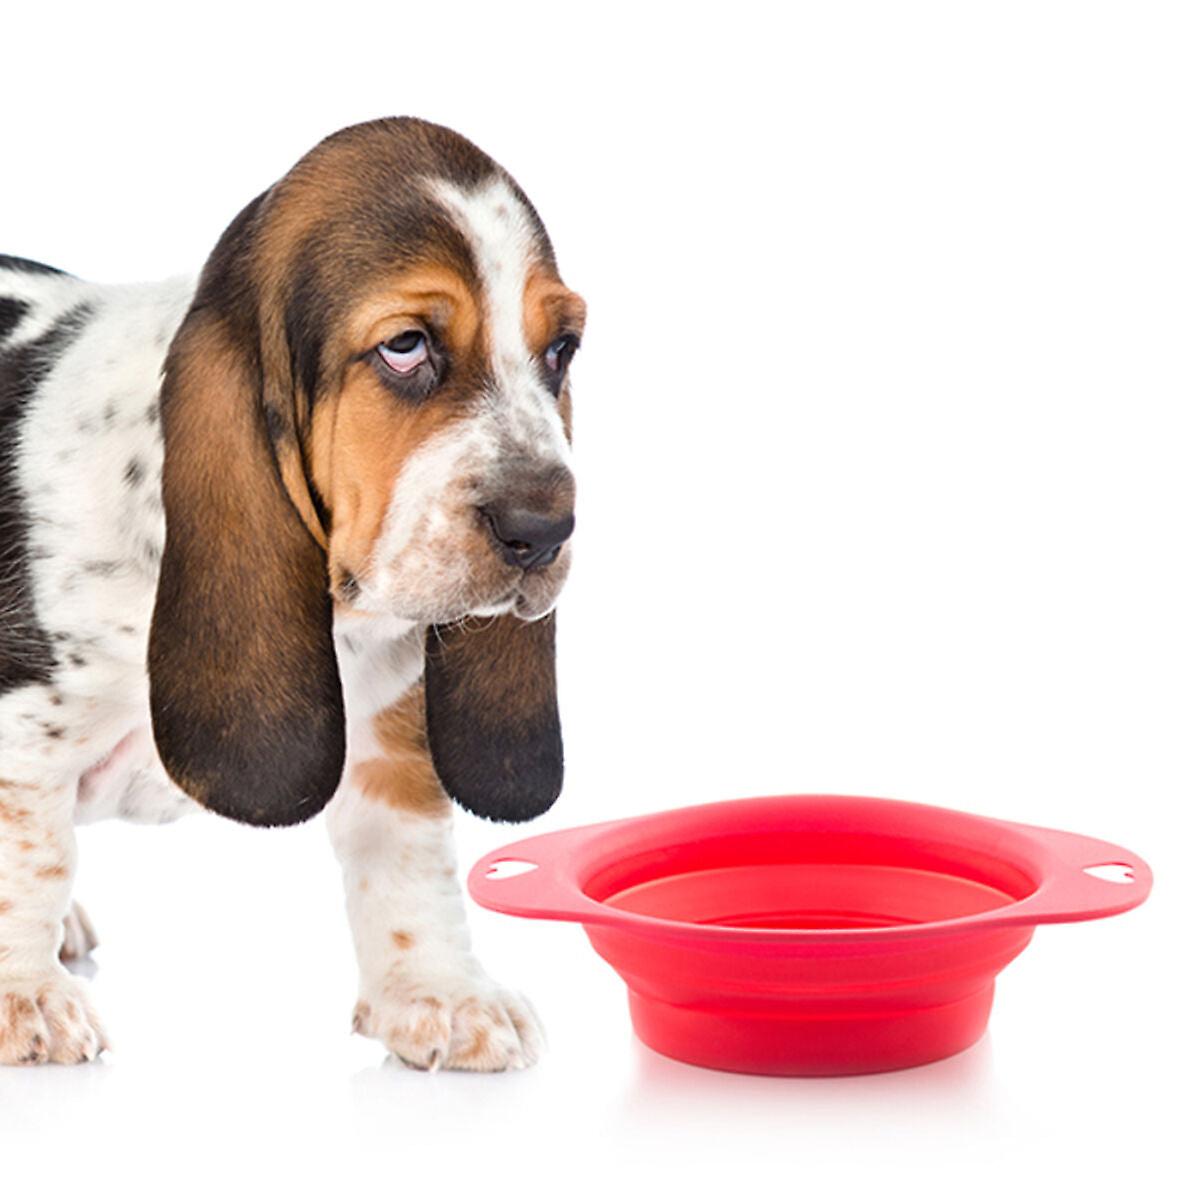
(811,935)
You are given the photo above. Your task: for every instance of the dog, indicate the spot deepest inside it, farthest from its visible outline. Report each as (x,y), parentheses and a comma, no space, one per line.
(288,539)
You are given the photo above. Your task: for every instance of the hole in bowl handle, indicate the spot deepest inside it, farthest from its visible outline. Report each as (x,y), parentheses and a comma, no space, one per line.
(533,878)
(1112,872)
(509,868)
(1088,879)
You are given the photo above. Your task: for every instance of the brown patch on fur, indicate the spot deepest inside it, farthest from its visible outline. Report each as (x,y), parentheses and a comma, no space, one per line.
(480,1037)
(550,309)
(18,1007)
(402,940)
(431,294)
(20,1039)
(13,814)
(5,906)
(428,1025)
(404,777)
(67,1033)
(57,871)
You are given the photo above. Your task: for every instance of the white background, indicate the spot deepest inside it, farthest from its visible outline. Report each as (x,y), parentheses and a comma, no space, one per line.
(887,448)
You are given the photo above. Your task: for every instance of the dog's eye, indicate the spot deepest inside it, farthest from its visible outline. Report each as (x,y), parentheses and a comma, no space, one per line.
(559,353)
(406,352)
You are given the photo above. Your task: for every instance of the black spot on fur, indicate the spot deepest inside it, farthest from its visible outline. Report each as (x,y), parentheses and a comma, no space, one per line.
(152,413)
(110,413)
(76,660)
(53,731)
(25,652)
(27,266)
(135,472)
(11,312)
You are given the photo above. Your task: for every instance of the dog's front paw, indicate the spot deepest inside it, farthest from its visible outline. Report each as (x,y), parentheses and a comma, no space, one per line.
(49,1019)
(467,1025)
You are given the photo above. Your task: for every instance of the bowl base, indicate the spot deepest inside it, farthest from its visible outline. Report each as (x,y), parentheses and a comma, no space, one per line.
(783,1042)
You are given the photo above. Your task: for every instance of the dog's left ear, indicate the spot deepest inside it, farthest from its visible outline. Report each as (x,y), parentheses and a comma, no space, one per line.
(491,710)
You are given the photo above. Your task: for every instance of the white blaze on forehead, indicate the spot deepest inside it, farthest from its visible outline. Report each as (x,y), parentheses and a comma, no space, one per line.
(504,243)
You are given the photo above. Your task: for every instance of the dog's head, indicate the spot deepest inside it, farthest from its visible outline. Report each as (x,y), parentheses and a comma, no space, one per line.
(365,412)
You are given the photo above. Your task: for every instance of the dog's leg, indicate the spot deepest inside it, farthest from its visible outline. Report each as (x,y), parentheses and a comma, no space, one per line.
(79,934)
(45,1014)
(422,992)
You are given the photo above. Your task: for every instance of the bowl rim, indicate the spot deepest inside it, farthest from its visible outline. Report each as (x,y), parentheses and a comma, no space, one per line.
(564,860)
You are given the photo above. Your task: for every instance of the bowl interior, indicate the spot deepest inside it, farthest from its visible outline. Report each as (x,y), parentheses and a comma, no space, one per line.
(806,879)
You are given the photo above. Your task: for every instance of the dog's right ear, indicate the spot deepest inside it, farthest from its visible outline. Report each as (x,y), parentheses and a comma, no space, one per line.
(244,688)
(491,713)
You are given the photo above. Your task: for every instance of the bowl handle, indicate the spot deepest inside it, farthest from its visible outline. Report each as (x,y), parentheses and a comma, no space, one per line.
(546,888)
(1071,891)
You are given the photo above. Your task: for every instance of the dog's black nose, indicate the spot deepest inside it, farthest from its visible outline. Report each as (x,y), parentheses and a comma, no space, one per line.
(528,539)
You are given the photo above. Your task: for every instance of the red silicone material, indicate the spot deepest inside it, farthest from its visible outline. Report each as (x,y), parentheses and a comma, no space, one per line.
(810,935)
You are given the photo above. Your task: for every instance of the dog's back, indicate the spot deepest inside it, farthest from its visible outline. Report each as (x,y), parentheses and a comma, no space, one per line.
(80,457)
(31,341)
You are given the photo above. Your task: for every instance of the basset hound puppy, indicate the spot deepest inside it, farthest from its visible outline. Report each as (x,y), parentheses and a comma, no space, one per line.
(287,539)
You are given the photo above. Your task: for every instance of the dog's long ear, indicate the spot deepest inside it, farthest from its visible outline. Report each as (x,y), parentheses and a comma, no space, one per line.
(491,710)
(244,689)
